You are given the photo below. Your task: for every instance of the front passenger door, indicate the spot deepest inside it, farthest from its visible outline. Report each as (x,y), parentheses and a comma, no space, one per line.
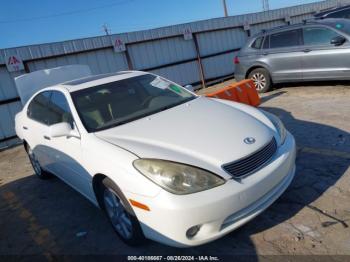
(323,60)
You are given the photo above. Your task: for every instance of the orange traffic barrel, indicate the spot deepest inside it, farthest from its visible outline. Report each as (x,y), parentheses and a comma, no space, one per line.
(243,92)
(253,95)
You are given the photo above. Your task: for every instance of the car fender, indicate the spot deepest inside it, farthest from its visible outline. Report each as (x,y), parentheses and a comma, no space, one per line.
(101,157)
(260,64)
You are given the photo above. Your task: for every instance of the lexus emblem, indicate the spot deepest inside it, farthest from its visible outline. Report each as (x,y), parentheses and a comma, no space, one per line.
(249,140)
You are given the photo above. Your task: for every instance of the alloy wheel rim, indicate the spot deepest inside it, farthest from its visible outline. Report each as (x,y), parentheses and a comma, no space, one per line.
(259,81)
(34,161)
(117,214)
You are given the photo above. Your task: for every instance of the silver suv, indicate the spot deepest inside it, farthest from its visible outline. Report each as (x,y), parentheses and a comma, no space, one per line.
(313,50)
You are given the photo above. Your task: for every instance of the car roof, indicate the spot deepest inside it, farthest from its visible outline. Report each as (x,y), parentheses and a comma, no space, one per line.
(331,10)
(94,80)
(325,21)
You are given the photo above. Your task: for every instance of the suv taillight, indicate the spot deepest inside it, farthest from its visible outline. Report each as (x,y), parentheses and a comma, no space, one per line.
(236,60)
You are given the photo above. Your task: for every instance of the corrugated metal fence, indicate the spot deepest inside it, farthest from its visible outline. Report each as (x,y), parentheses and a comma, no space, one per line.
(164,51)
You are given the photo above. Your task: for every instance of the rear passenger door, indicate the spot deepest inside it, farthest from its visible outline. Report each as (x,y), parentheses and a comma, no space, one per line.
(282,53)
(323,60)
(36,127)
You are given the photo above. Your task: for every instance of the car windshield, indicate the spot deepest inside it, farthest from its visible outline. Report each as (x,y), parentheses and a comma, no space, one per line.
(343,26)
(112,104)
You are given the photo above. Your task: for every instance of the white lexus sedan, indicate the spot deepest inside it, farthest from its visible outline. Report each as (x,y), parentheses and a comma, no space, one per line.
(162,162)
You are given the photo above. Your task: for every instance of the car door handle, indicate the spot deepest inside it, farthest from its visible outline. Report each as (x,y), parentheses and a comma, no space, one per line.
(307,50)
(25,128)
(265,53)
(47,138)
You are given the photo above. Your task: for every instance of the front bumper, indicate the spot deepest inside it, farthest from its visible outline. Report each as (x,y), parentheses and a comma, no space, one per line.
(220,210)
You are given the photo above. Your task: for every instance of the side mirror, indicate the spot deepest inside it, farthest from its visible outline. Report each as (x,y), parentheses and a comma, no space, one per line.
(338,40)
(63,129)
(189,88)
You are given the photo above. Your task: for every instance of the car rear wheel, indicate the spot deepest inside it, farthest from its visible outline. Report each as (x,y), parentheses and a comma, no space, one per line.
(261,79)
(36,165)
(120,214)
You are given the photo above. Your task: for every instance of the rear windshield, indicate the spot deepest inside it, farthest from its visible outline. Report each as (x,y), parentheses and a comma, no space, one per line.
(105,106)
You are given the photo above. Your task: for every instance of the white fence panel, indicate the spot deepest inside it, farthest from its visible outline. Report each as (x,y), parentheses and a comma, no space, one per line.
(100,61)
(160,52)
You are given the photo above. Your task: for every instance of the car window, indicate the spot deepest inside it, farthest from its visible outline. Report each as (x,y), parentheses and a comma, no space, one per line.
(266,44)
(38,107)
(285,39)
(318,36)
(257,43)
(116,103)
(59,110)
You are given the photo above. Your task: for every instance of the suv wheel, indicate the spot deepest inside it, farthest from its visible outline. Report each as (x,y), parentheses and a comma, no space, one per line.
(261,79)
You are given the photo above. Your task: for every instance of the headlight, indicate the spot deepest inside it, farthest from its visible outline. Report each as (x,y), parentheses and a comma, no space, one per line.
(278,124)
(177,178)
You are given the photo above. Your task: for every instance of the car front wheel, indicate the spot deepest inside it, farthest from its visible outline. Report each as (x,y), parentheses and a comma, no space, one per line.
(120,214)
(261,79)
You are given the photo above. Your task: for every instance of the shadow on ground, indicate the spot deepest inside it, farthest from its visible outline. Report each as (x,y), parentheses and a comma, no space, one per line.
(271,96)
(43,217)
(313,84)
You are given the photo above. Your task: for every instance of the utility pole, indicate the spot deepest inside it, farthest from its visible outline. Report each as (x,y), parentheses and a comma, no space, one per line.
(225,8)
(105,28)
(266,6)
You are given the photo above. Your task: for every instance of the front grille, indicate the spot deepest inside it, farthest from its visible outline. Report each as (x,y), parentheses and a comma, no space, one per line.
(253,162)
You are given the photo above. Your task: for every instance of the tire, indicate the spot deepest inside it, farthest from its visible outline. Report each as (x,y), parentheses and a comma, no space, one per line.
(262,79)
(120,214)
(39,172)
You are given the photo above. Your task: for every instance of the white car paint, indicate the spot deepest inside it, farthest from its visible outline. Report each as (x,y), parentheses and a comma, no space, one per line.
(203,132)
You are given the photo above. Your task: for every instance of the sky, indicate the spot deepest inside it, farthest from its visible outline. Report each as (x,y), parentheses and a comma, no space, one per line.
(26,22)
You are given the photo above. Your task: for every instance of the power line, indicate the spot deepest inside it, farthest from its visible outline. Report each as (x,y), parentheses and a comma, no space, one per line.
(65,13)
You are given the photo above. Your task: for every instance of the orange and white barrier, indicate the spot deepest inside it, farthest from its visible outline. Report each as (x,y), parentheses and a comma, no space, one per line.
(243,92)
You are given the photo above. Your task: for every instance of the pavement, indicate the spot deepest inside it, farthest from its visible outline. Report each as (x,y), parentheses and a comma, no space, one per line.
(48,218)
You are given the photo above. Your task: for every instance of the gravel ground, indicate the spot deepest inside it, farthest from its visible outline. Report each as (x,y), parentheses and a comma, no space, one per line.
(311,218)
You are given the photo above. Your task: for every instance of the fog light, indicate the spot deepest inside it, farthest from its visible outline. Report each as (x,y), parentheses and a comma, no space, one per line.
(192,231)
